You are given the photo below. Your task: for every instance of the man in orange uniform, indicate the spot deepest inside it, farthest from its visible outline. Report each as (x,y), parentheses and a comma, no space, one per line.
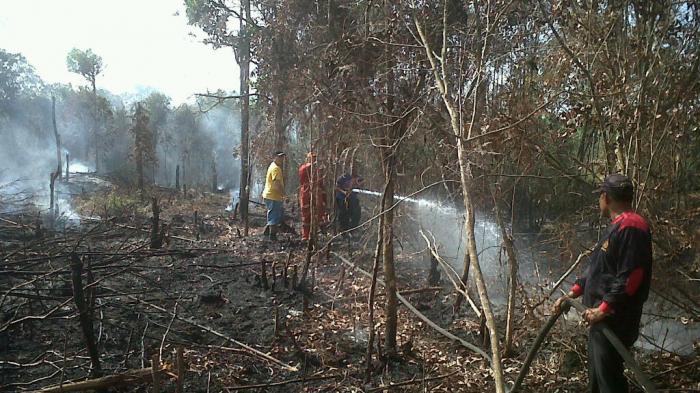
(311,183)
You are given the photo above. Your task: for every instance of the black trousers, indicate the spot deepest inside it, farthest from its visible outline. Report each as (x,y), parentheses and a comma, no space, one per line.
(605,365)
(348,213)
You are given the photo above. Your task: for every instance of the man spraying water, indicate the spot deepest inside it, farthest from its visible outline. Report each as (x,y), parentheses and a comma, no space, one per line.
(615,285)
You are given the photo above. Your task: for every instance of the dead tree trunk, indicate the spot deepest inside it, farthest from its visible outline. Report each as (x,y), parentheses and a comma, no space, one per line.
(59,167)
(156,239)
(177,178)
(53,206)
(388,154)
(244,63)
(512,278)
(464,281)
(441,81)
(84,315)
(373,286)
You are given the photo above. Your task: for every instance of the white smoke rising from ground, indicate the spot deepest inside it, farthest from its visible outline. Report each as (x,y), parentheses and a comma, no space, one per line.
(446,224)
(27,159)
(78,167)
(222,125)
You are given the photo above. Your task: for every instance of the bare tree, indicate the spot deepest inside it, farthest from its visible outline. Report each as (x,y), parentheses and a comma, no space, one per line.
(439,67)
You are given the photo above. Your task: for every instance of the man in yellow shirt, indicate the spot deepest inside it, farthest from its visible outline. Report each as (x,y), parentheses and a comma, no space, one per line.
(273,194)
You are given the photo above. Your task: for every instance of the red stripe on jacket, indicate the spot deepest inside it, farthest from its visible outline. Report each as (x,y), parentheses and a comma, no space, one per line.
(631,220)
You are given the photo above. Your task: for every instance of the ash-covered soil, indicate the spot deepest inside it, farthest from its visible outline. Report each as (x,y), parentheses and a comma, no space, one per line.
(230,303)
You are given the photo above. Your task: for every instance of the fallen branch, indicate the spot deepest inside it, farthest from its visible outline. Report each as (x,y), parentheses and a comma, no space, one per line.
(149,231)
(406,292)
(425,319)
(411,382)
(129,377)
(281,383)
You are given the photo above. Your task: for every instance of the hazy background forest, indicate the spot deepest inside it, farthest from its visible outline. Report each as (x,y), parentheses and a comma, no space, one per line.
(96,129)
(497,118)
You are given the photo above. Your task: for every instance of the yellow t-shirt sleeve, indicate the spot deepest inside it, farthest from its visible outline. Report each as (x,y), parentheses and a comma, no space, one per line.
(274,173)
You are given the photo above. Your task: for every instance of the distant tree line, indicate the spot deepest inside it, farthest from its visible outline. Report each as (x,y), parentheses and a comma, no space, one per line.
(139,140)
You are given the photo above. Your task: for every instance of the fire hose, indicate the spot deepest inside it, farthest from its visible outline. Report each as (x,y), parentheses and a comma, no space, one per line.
(639,375)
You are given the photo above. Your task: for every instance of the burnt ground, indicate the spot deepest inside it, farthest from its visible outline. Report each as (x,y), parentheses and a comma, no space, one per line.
(224,300)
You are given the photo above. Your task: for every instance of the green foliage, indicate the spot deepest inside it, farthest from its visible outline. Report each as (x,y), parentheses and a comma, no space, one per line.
(158,107)
(17,78)
(214,18)
(120,205)
(85,63)
(144,150)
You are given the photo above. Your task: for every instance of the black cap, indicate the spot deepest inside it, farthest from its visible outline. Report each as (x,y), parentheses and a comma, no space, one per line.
(280,153)
(616,185)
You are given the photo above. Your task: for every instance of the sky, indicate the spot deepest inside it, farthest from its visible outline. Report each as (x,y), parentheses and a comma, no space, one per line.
(144,44)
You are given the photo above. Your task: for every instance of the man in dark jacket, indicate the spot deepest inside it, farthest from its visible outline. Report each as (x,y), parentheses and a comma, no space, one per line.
(615,285)
(347,204)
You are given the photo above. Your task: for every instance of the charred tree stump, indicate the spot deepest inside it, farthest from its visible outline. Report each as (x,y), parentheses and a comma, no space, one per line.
(294,276)
(58,137)
(90,293)
(263,275)
(84,314)
(67,167)
(177,178)
(276,317)
(285,280)
(196,220)
(434,273)
(156,231)
(155,366)
(214,179)
(274,275)
(38,231)
(53,208)
(310,252)
(180,364)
